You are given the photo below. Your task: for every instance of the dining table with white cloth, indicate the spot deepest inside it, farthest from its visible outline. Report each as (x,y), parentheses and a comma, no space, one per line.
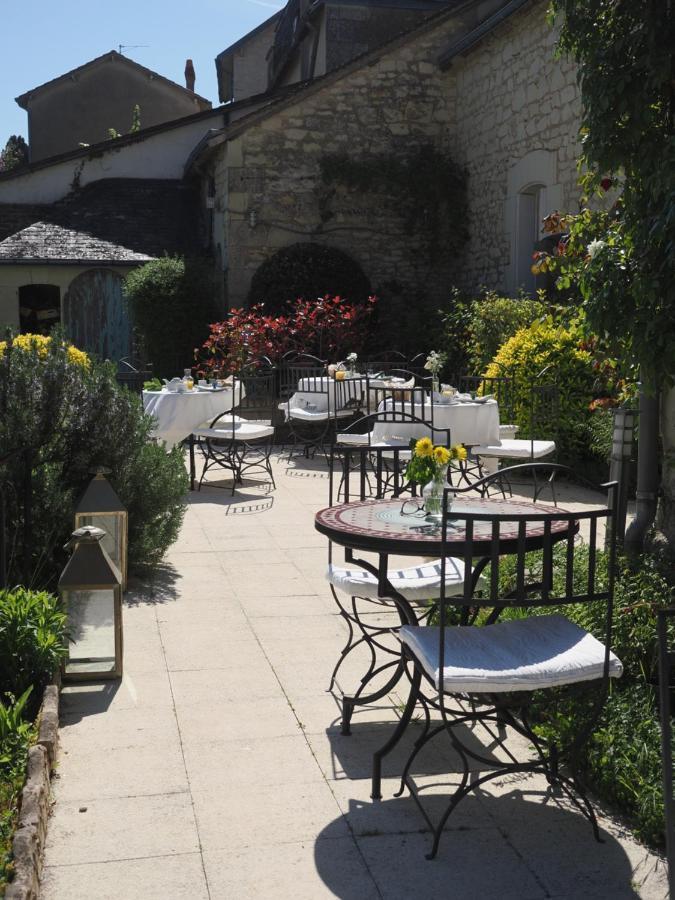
(178,414)
(470,421)
(317,394)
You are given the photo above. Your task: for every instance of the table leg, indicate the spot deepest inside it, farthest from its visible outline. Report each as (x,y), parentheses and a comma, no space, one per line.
(191,444)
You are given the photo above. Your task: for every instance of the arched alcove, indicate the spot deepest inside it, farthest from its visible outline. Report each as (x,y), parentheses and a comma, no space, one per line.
(533,191)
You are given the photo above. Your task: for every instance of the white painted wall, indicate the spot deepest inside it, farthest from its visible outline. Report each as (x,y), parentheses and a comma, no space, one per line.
(161,155)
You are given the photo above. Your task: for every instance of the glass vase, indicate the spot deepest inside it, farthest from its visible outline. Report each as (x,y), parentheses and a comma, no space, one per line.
(432,493)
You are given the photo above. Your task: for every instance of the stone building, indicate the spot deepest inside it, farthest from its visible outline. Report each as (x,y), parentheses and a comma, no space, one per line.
(478,83)
(80,106)
(307,39)
(475,83)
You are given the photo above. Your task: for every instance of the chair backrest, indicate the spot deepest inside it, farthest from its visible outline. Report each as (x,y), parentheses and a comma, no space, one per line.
(255,390)
(386,360)
(411,398)
(394,425)
(501,387)
(295,366)
(352,394)
(568,545)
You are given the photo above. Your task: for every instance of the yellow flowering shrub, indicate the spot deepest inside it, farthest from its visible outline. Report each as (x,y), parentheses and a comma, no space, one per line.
(40,343)
(525,355)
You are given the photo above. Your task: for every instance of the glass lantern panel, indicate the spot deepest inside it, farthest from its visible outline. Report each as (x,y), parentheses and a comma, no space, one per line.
(91,626)
(112,541)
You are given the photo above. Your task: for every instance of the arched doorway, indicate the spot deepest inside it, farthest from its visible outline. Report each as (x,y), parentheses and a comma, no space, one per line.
(95,314)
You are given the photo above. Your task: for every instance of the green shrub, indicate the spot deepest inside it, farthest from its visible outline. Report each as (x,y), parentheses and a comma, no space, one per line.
(32,639)
(307,271)
(474,330)
(64,418)
(524,356)
(623,758)
(172,304)
(15,735)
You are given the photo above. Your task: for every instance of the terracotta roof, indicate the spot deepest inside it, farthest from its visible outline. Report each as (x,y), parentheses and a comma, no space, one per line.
(111,55)
(113,221)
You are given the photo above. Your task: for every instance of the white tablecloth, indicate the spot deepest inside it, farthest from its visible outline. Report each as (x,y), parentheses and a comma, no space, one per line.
(178,415)
(469,423)
(317,392)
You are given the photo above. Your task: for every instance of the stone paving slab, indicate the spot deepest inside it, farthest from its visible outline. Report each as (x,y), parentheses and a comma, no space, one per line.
(217,770)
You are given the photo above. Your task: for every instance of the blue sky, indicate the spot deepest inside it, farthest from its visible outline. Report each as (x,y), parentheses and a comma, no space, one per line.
(44,39)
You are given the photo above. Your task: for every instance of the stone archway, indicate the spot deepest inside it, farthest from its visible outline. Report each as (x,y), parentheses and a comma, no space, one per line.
(95,314)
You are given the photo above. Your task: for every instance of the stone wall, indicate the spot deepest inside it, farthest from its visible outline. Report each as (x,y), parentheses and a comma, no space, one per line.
(516,123)
(269,172)
(507,111)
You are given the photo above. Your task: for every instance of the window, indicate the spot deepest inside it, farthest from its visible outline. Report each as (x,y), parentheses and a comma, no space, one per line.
(39,308)
(530,212)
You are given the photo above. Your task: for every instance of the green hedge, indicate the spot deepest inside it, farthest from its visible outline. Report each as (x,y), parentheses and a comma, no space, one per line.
(622,762)
(545,345)
(64,417)
(172,303)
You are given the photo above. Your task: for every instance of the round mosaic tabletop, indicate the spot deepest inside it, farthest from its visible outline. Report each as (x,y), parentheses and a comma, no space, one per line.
(399,526)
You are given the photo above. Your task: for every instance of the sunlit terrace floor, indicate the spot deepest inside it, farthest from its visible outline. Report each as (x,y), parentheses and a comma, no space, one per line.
(216,769)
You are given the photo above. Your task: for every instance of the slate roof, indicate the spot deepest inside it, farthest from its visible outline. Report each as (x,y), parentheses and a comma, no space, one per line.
(113,221)
(111,56)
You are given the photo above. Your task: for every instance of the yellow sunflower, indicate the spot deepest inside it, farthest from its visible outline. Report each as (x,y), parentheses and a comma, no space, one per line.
(424,447)
(459,452)
(441,456)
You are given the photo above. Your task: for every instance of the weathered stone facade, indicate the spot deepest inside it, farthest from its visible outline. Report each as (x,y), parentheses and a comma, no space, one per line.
(516,121)
(493,109)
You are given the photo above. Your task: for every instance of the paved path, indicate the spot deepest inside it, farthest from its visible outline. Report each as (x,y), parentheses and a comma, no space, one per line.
(217,770)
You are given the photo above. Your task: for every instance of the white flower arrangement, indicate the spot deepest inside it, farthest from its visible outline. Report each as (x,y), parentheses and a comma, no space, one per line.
(352,357)
(435,362)
(594,248)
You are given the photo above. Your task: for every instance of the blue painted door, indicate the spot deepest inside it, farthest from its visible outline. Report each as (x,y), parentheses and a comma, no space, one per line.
(95,314)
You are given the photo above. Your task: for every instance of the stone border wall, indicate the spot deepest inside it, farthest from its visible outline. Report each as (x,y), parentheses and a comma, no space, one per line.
(31,832)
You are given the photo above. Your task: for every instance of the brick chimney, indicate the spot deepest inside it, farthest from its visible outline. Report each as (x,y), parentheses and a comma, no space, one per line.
(189,75)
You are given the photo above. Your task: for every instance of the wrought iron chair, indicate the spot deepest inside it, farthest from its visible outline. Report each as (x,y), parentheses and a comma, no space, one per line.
(308,403)
(493,673)
(386,360)
(363,476)
(240,440)
(542,415)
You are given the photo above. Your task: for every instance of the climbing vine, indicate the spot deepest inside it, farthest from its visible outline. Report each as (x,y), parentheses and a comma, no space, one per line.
(427,187)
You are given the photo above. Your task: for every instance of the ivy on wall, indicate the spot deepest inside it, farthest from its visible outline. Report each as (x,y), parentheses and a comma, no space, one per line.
(427,186)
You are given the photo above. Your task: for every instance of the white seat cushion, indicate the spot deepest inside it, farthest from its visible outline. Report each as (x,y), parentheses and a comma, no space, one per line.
(415,583)
(353,440)
(316,415)
(521,655)
(237,430)
(515,448)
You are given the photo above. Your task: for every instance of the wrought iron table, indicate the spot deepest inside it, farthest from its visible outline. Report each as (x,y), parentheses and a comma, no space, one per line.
(380,526)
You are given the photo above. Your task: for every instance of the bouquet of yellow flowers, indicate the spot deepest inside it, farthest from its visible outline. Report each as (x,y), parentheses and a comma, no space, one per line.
(429,461)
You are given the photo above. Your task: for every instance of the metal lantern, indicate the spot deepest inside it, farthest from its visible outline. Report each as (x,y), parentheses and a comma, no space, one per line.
(91,590)
(101,507)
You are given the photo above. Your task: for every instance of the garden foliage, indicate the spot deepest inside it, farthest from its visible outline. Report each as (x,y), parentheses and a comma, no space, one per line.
(525,356)
(474,330)
(328,327)
(623,760)
(63,414)
(171,302)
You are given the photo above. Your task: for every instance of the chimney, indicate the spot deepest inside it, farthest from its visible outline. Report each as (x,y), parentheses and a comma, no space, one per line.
(189,75)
